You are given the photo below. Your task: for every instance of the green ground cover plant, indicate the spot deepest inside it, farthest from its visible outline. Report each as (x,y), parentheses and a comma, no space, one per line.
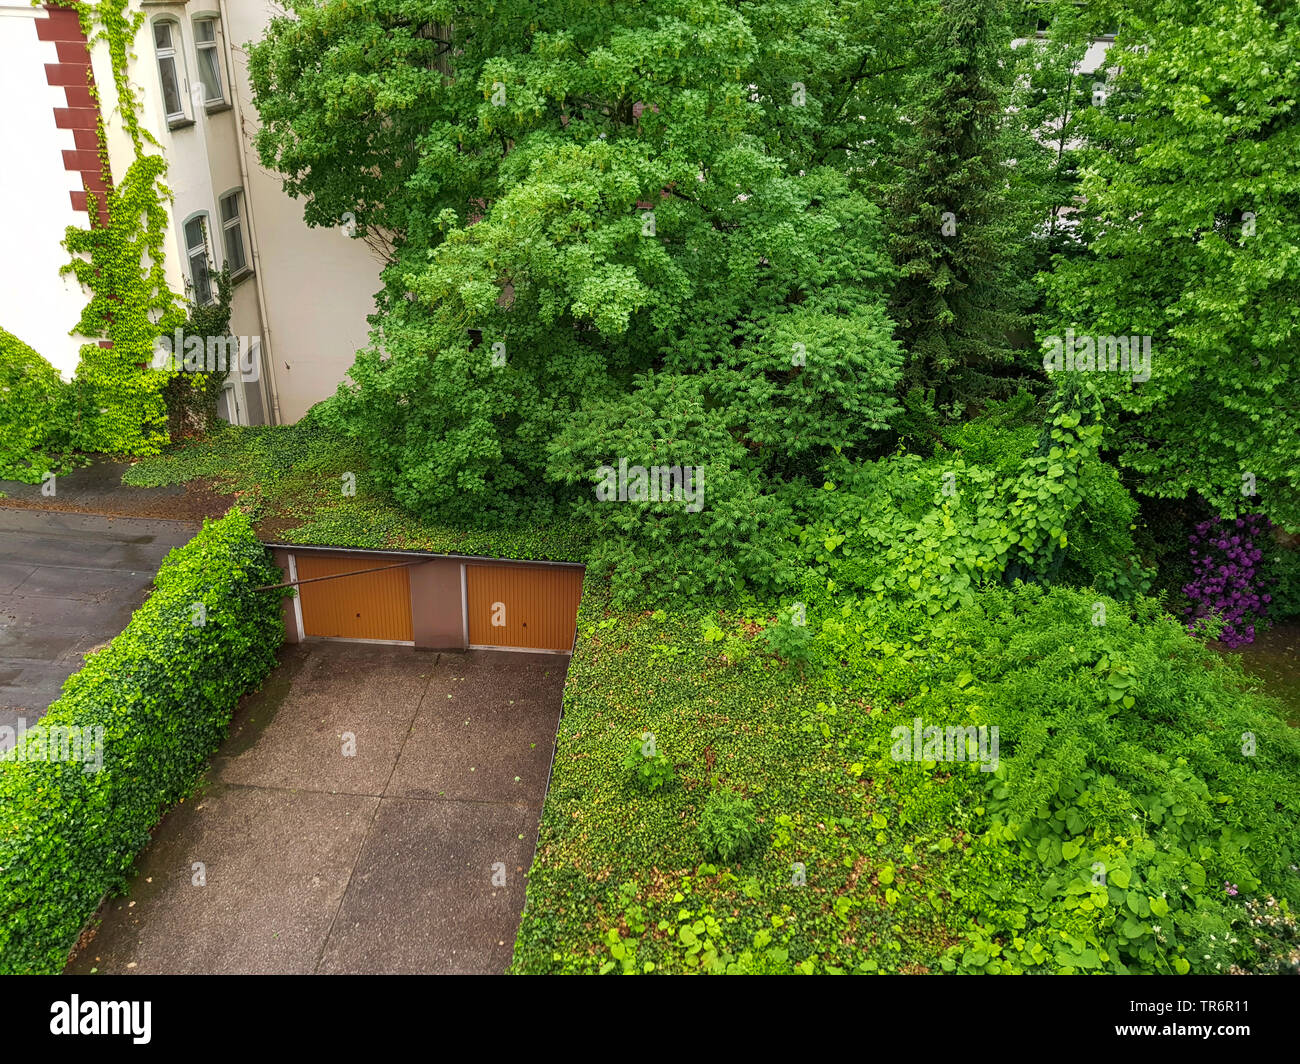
(1142,797)
(305,483)
(622,879)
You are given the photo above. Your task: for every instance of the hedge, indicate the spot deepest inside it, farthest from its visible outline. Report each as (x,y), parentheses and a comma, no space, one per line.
(163,692)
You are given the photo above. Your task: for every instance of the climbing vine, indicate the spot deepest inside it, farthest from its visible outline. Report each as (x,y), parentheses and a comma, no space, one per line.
(121,263)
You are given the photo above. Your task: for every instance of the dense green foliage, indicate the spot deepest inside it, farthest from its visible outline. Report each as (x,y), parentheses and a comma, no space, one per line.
(37,414)
(296,480)
(787,248)
(159,697)
(933,531)
(654,232)
(670,234)
(1122,756)
(1128,752)
(954,229)
(621,880)
(1191,218)
(1282,578)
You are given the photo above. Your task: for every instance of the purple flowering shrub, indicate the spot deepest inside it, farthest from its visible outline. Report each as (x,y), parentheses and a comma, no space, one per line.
(1225,559)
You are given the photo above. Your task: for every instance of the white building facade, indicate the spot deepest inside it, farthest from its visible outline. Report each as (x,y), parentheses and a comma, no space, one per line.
(300,295)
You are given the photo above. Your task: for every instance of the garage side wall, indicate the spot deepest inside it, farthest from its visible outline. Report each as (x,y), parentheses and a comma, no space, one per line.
(288,608)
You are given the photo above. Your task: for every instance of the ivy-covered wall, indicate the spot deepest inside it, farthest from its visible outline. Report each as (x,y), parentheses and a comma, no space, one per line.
(121,264)
(116,402)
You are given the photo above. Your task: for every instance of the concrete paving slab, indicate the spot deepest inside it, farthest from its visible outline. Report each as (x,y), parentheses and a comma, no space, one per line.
(107,528)
(82,583)
(275,866)
(27,686)
(300,738)
(36,548)
(12,574)
(70,583)
(483,734)
(57,614)
(422,900)
(35,642)
(375,877)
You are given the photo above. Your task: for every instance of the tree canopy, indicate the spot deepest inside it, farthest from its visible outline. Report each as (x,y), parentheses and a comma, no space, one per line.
(765,238)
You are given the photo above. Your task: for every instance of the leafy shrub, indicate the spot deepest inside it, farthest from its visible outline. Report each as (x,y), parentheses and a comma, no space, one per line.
(790,642)
(932,531)
(1282,574)
(1001,437)
(191,397)
(728,828)
(1126,745)
(1100,551)
(645,767)
(162,692)
(724,533)
(1134,775)
(37,413)
(1137,780)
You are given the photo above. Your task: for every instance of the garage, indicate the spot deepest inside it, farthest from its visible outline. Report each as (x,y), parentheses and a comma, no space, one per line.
(343,598)
(431,601)
(522,607)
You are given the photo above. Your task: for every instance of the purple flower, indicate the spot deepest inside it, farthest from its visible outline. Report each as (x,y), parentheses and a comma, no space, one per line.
(1226,582)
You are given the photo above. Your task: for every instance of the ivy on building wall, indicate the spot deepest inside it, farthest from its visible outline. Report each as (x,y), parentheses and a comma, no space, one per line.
(130,306)
(117,394)
(122,265)
(192,397)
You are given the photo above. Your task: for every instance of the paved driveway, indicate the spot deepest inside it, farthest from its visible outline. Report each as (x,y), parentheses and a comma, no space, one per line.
(68,583)
(406,855)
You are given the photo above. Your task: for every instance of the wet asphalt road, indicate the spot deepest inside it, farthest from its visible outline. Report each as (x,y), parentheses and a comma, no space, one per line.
(68,584)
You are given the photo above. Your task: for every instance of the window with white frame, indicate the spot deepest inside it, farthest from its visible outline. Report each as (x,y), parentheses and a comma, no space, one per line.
(166,40)
(205,45)
(232,232)
(196,252)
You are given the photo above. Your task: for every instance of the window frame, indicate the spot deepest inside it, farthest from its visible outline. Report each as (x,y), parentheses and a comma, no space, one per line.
(215,46)
(191,253)
(175,55)
(238,222)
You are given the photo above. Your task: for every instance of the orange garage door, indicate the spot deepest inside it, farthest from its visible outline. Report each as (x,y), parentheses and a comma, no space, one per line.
(522,606)
(374,605)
